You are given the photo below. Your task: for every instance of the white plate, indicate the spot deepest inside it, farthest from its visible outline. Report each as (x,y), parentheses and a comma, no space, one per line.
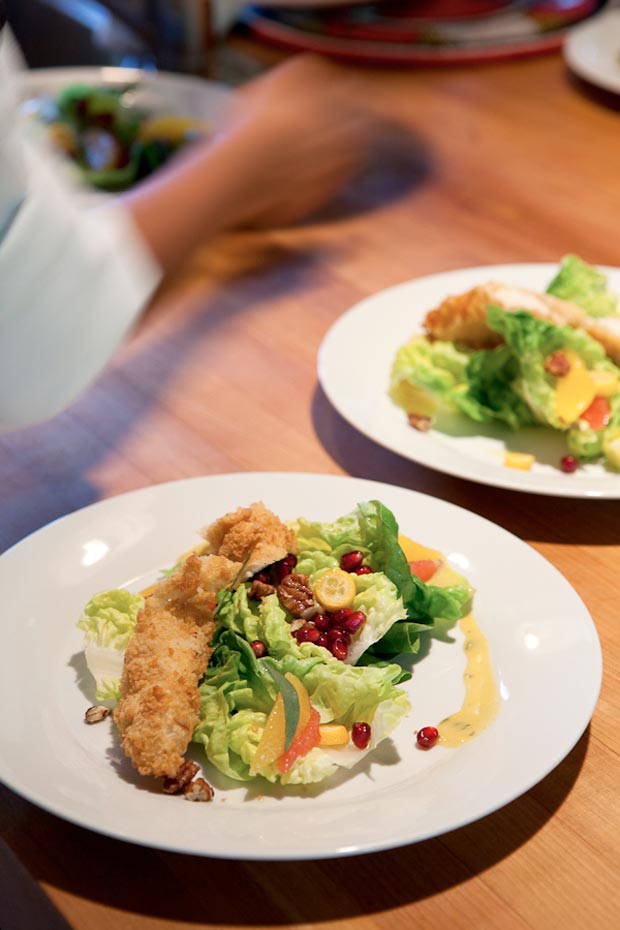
(157,91)
(545,651)
(354,364)
(592,50)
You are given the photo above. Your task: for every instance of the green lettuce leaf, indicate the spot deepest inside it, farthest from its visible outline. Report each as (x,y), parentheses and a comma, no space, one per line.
(108,622)
(425,374)
(372,529)
(491,394)
(585,286)
(531,341)
(238,691)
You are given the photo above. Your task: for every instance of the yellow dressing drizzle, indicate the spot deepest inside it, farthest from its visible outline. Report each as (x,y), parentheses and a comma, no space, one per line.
(481,702)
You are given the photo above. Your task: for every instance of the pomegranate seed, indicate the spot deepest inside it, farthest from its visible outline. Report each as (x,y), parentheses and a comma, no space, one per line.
(427,737)
(264,576)
(258,648)
(339,617)
(281,570)
(360,734)
(339,649)
(569,464)
(290,559)
(336,633)
(363,570)
(323,640)
(322,622)
(307,634)
(351,561)
(353,623)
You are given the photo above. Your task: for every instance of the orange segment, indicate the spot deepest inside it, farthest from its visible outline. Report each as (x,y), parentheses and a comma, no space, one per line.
(271,746)
(307,739)
(272,741)
(416,551)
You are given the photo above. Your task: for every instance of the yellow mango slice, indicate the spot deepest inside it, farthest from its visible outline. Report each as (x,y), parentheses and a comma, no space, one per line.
(574,391)
(333,734)
(605,383)
(521,460)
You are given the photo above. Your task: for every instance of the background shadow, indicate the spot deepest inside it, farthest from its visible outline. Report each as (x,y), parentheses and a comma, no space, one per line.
(530,516)
(213,892)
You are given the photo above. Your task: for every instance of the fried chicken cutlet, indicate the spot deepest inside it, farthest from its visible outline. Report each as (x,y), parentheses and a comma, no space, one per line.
(462,318)
(171,647)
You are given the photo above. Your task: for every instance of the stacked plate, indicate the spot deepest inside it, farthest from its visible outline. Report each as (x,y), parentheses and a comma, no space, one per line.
(430,32)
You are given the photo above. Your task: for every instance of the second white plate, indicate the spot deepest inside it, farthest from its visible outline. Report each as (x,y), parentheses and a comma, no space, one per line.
(592,50)
(354,366)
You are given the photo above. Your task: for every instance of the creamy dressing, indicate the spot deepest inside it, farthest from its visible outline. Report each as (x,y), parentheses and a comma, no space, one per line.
(481,702)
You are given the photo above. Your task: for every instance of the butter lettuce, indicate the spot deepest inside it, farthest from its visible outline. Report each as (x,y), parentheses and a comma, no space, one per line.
(373,529)
(585,286)
(426,374)
(237,694)
(108,622)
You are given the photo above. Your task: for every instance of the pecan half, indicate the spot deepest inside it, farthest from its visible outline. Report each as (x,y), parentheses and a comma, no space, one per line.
(420,422)
(296,594)
(182,778)
(96,714)
(198,790)
(259,589)
(557,364)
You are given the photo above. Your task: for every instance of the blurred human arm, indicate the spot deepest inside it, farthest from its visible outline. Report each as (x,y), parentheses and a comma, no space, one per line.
(74,281)
(294,137)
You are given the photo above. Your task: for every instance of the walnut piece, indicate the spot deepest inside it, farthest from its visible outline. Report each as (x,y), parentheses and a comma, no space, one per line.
(296,594)
(557,364)
(198,790)
(420,422)
(259,589)
(96,713)
(182,778)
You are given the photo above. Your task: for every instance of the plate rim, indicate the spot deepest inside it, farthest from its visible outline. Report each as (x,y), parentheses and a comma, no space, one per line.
(388,842)
(587,31)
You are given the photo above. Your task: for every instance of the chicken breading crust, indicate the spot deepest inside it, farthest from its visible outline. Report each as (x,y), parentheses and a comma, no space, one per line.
(165,659)
(170,649)
(251,533)
(462,318)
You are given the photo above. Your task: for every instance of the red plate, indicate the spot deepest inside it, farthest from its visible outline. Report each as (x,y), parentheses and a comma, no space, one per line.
(434,32)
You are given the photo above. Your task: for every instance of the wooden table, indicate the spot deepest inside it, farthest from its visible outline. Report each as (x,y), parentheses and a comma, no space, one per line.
(510,162)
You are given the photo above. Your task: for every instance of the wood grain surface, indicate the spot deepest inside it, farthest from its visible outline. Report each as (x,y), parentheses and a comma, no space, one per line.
(503,163)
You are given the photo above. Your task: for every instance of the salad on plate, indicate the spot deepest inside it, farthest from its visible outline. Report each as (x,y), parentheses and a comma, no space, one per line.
(276,648)
(504,354)
(108,136)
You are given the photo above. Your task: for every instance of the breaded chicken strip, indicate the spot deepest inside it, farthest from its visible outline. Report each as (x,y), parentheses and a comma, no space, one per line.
(170,649)
(462,318)
(253,533)
(165,659)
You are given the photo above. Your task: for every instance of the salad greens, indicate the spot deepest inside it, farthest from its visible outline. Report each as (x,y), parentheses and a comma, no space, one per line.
(585,286)
(108,622)
(114,143)
(512,383)
(239,688)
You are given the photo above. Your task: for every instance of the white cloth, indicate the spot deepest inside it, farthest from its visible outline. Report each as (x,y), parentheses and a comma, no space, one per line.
(72,280)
